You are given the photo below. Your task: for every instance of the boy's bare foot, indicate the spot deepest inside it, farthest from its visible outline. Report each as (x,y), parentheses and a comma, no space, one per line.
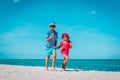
(47,69)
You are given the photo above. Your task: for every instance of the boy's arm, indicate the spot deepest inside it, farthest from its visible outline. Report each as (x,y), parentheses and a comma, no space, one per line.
(50,37)
(55,43)
(59,46)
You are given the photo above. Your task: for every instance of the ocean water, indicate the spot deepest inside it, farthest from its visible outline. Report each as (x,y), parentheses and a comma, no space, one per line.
(82,64)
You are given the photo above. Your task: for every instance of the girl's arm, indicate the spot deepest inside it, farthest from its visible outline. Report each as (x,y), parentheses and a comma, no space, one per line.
(70,45)
(59,47)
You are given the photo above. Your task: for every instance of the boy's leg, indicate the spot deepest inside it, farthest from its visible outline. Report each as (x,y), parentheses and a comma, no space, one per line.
(47,60)
(54,60)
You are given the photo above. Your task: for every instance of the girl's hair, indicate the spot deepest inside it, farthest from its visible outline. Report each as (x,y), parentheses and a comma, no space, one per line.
(65,35)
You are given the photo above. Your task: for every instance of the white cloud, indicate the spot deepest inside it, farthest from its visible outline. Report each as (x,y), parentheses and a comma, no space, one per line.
(16,1)
(91,43)
(21,32)
(29,41)
(93,12)
(23,42)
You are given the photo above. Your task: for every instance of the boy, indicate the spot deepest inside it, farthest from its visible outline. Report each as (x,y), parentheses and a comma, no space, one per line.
(51,44)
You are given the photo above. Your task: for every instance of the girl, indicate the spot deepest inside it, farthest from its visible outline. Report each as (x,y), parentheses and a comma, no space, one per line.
(65,45)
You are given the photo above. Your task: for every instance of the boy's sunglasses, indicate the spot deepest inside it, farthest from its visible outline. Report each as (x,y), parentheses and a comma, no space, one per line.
(52,26)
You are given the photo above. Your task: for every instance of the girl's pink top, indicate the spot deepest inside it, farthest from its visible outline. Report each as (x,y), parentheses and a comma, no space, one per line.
(65,47)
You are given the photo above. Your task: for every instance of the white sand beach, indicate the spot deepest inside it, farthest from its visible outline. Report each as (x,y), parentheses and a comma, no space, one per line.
(12,72)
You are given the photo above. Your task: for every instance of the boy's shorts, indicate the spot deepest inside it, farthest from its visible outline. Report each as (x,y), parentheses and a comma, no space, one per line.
(50,51)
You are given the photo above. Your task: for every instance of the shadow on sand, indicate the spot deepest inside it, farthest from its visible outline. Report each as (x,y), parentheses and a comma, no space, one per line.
(69,70)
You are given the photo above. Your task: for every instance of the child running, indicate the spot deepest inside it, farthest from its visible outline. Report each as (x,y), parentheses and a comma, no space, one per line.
(50,46)
(65,45)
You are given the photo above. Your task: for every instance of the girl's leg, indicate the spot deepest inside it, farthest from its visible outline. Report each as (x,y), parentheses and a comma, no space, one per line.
(65,62)
(47,60)
(63,66)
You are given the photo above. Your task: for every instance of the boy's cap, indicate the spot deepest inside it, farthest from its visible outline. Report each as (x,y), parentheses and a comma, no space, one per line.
(52,24)
(65,35)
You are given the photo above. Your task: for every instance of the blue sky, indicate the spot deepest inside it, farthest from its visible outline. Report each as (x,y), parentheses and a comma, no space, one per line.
(93,26)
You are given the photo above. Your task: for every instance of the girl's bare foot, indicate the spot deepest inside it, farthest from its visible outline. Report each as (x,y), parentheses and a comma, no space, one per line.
(63,67)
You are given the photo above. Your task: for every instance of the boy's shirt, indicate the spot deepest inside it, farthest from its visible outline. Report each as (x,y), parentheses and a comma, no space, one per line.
(52,42)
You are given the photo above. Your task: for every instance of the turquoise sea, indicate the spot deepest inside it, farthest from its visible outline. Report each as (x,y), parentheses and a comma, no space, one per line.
(82,64)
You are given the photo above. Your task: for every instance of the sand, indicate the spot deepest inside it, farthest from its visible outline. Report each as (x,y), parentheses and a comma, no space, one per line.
(13,72)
